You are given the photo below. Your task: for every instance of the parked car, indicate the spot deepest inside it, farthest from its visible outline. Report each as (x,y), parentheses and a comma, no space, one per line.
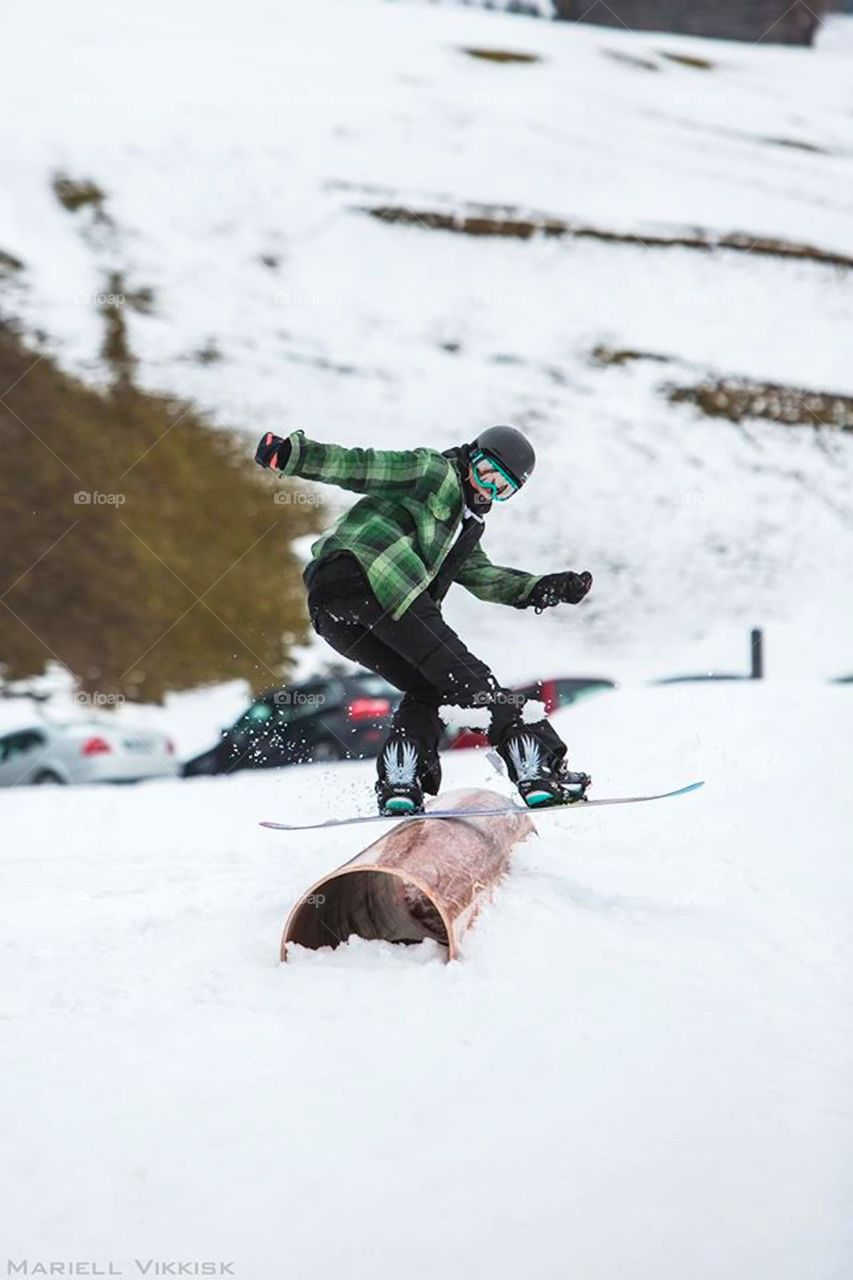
(701,678)
(84,752)
(334,717)
(564,691)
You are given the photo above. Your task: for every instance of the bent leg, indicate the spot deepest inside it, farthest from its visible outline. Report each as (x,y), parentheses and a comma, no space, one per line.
(422,655)
(416,718)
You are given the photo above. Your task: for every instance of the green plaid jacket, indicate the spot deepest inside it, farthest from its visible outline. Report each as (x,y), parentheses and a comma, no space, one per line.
(403,528)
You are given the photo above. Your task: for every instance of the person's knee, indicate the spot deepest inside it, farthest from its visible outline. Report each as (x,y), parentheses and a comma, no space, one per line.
(425,696)
(458,679)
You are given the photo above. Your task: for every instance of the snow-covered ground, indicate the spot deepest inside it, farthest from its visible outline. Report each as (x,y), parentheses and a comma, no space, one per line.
(224,134)
(639,1071)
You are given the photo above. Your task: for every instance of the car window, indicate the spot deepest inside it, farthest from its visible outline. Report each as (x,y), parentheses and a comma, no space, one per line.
(570,691)
(269,714)
(373,687)
(311,699)
(17,744)
(261,718)
(260,712)
(332,690)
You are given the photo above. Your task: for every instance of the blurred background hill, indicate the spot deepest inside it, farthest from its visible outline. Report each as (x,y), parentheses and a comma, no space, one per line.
(393,224)
(140,553)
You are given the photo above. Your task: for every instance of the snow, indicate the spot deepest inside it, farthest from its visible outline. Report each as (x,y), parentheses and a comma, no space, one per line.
(640,1068)
(835,33)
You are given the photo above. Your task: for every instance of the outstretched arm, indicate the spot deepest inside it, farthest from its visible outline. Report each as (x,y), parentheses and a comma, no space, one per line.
(501,585)
(362,470)
(495,582)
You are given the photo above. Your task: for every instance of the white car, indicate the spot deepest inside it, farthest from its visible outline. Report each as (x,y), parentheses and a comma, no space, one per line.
(84,752)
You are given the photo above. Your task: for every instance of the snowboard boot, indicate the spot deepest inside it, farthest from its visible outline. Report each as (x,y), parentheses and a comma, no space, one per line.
(399,790)
(564,787)
(534,756)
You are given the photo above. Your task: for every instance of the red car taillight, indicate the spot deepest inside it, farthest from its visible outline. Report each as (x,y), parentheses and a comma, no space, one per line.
(95,747)
(368,708)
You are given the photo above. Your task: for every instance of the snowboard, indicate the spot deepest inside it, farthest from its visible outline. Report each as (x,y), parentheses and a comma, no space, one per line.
(509,807)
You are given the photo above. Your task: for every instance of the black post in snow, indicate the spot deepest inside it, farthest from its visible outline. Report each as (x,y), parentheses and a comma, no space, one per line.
(757,652)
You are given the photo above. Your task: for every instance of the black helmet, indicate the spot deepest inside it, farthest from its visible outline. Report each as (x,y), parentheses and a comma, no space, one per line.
(510,448)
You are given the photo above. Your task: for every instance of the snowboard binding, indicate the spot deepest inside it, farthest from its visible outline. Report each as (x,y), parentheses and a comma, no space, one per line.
(566,787)
(534,757)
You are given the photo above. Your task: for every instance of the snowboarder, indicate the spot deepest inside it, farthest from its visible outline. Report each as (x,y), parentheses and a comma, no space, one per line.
(376,581)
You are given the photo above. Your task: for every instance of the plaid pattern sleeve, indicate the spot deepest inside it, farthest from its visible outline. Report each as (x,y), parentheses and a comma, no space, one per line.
(495,582)
(364,470)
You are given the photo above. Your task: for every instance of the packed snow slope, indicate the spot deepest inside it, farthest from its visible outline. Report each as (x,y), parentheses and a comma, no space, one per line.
(640,1070)
(238,146)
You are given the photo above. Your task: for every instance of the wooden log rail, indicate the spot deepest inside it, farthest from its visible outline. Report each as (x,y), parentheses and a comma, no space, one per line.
(421,879)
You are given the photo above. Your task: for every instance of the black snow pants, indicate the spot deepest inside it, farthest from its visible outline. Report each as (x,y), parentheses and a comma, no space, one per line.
(419,654)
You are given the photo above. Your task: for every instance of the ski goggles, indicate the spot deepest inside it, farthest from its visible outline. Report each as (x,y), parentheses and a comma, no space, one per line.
(484,465)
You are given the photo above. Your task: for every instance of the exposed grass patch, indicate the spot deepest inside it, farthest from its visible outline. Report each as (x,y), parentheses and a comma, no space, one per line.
(559,377)
(510,223)
(9,264)
(608,356)
(631,60)
(141,546)
(687,60)
(471,224)
(79,193)
(796,144)
(114,302)
(737,399)
(501,55)
(208,353)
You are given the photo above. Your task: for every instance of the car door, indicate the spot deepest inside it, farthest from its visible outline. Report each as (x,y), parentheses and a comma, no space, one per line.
(5,759)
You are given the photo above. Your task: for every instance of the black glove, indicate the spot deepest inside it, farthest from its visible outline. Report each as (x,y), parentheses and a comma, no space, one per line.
(272,451)
(559,588)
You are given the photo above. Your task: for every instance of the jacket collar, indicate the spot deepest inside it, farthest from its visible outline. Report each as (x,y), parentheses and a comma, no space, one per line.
(460,457)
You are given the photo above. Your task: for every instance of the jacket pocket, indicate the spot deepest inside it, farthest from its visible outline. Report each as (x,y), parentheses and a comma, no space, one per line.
(438,508)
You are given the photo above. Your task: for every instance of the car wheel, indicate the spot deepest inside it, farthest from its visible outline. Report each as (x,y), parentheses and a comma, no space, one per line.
(323,752)
(47,778)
